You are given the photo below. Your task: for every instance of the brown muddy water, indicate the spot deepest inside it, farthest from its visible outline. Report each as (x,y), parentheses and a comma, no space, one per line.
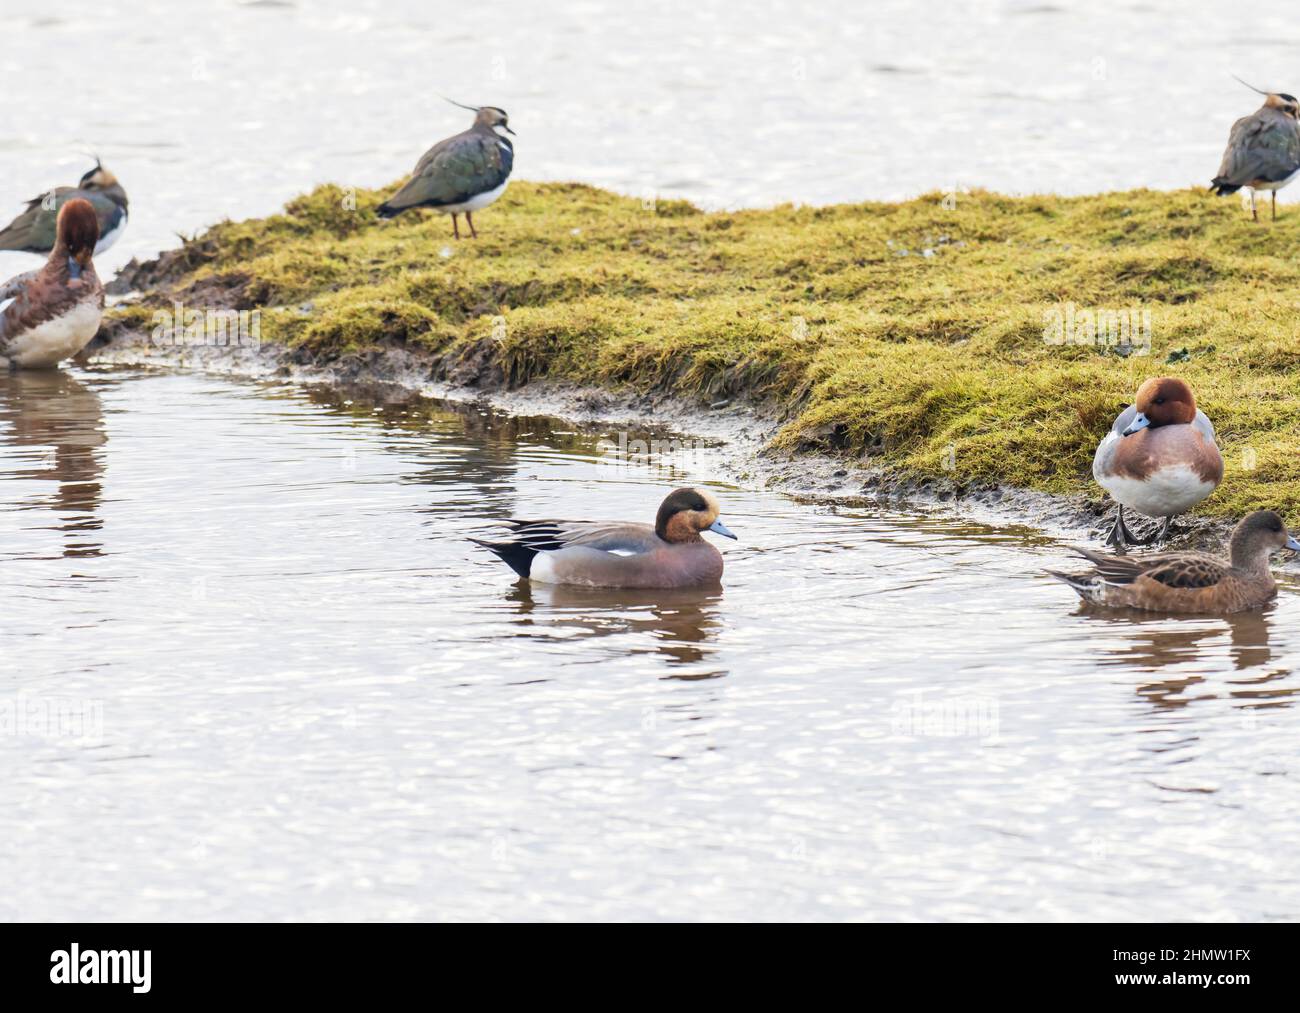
(251,668)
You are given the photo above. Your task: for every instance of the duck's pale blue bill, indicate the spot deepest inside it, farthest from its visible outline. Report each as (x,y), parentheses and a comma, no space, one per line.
(719,528)
(1292,544)
(1140,421)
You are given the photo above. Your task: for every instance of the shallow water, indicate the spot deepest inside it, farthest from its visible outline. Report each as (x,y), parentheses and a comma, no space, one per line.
(253,669)
(228,109)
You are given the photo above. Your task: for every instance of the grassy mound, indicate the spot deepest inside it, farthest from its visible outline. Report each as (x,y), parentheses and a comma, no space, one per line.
(970,336)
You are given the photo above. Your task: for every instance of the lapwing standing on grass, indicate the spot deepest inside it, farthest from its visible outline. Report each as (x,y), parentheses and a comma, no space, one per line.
(462,174)
(33,231)
(1263,150)
(51,314)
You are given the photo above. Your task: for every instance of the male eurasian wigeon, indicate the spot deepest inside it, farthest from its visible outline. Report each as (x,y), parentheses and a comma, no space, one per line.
(1159,457)
(54,311)
(33,231)
(668,554)
(1190,581)
(460,174)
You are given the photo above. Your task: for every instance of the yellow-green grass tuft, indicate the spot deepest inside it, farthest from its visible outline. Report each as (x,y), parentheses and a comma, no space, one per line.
(911,335)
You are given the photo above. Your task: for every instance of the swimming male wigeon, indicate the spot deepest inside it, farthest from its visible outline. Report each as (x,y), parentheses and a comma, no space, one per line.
(1190,581)
(1159,457)
(55,311)
(668,554)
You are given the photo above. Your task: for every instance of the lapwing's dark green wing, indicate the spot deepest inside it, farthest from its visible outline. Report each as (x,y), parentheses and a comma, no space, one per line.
(33,231)
(454,170)
(1263,148)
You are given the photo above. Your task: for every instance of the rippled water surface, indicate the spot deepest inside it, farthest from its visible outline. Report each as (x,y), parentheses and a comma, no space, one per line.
(219,108)
(253,669)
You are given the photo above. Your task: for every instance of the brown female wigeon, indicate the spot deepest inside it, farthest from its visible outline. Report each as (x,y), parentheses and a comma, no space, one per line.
(1159,457)
(668,554)
(54,311)
(1190,581)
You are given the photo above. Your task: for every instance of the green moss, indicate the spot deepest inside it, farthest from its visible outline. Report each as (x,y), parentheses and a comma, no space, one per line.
(910,334)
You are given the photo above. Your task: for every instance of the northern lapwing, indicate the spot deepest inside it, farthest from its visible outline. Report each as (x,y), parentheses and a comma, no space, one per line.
(33,230)
(53,312)
(462,174)
(1263,150)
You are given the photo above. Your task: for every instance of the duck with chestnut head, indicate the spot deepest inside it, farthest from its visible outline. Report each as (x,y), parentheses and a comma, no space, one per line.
(667,554)
(51,314)
(1159,458)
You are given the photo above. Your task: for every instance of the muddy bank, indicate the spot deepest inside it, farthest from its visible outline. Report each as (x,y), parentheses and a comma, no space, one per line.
(927,350)
(742,431)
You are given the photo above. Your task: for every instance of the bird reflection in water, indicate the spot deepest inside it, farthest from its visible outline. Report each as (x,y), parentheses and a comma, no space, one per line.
(682,623)
(1196,647)
(52,430)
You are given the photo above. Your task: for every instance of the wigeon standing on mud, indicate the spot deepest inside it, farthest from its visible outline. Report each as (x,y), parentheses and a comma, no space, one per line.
(54,312)
(1159,458)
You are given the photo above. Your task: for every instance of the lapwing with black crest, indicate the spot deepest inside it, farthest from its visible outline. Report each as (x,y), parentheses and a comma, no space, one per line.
(461,174)
(35,230)
(1263,150)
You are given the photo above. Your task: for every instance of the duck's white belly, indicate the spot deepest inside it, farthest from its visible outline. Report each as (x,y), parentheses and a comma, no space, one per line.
(48,344)
(1165,493)
(474,203)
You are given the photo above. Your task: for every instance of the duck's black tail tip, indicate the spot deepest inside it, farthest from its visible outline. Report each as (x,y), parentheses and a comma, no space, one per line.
(518,556)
